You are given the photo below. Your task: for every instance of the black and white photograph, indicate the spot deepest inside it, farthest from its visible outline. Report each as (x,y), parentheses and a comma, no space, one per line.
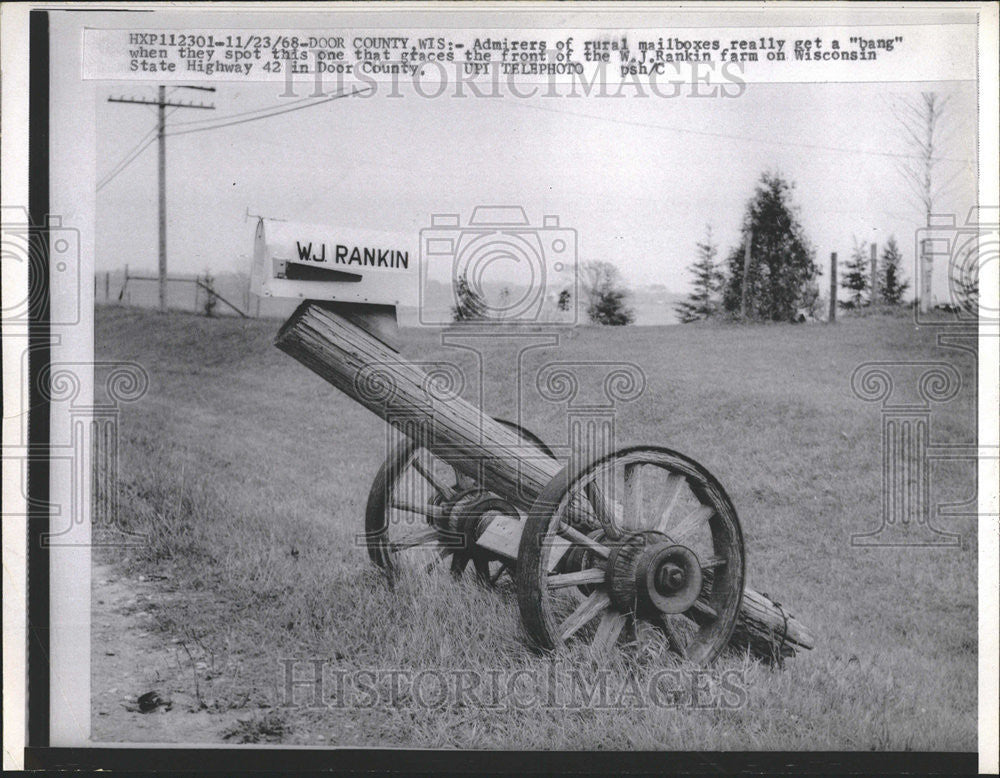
(544,377)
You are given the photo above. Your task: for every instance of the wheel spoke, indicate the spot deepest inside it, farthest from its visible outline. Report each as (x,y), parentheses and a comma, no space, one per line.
(482,569)
(608,630)
(576,536)
(601,506)
(439,487)
(691,522)
(584,612)
(425,535)
(439,556)
(430,511)
(713,562)
(633,496)
(558,549)
(704,609)
(580,511)
(500,571)
(591,575)
(671,633)
(671,493)
(459,563)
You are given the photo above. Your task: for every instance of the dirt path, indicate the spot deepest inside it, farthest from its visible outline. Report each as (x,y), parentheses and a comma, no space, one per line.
(131,656)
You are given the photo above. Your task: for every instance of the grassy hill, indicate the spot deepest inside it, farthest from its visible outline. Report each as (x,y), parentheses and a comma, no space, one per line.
(249,475)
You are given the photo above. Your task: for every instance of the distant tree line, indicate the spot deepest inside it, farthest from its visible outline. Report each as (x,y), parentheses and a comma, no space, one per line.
(771,274)
(604,290)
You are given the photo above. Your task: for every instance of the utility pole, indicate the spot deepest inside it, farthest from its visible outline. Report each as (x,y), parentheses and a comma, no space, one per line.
(161,168)
(833,288)
(162,104)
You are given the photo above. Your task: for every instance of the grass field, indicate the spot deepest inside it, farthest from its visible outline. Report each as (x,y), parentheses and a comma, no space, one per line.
(249,476)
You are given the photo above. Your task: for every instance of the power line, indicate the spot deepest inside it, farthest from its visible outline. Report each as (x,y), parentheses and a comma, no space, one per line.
(265,112)
(268,115)
(247,113)
(128,159)
(128,156)
(132,154)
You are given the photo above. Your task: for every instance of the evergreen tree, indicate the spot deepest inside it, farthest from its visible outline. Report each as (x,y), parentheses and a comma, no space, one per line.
(610,308)
(470,306)
(703,300)
(564,299)
(782,266)
(891,284)
(855,278)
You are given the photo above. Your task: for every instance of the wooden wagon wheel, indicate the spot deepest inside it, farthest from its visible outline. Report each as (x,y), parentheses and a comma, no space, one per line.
(643,538)
(415,497)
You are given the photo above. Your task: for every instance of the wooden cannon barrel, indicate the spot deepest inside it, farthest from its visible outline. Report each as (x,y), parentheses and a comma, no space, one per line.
(376,376)
(341,344)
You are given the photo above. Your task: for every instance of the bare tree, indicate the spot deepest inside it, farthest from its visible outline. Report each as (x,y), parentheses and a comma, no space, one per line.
(606,294)
(922,120)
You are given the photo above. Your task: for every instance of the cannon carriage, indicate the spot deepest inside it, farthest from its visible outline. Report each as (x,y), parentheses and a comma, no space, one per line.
(608,548)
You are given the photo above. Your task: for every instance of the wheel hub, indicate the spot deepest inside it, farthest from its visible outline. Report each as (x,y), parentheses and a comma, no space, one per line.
(669,577)
(465,516)
(649,572)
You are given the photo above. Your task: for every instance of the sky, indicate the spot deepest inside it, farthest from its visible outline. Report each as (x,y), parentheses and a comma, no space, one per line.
(637,178)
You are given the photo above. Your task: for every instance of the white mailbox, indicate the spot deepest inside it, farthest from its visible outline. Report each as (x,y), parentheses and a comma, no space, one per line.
(313,262)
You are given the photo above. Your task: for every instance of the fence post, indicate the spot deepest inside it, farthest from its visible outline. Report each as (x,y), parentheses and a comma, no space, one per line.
(121,294)
(874,297)
(833,288)
(107,285)
(926,269)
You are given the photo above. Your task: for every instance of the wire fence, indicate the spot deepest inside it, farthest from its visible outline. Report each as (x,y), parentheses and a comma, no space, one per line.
(223,295)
